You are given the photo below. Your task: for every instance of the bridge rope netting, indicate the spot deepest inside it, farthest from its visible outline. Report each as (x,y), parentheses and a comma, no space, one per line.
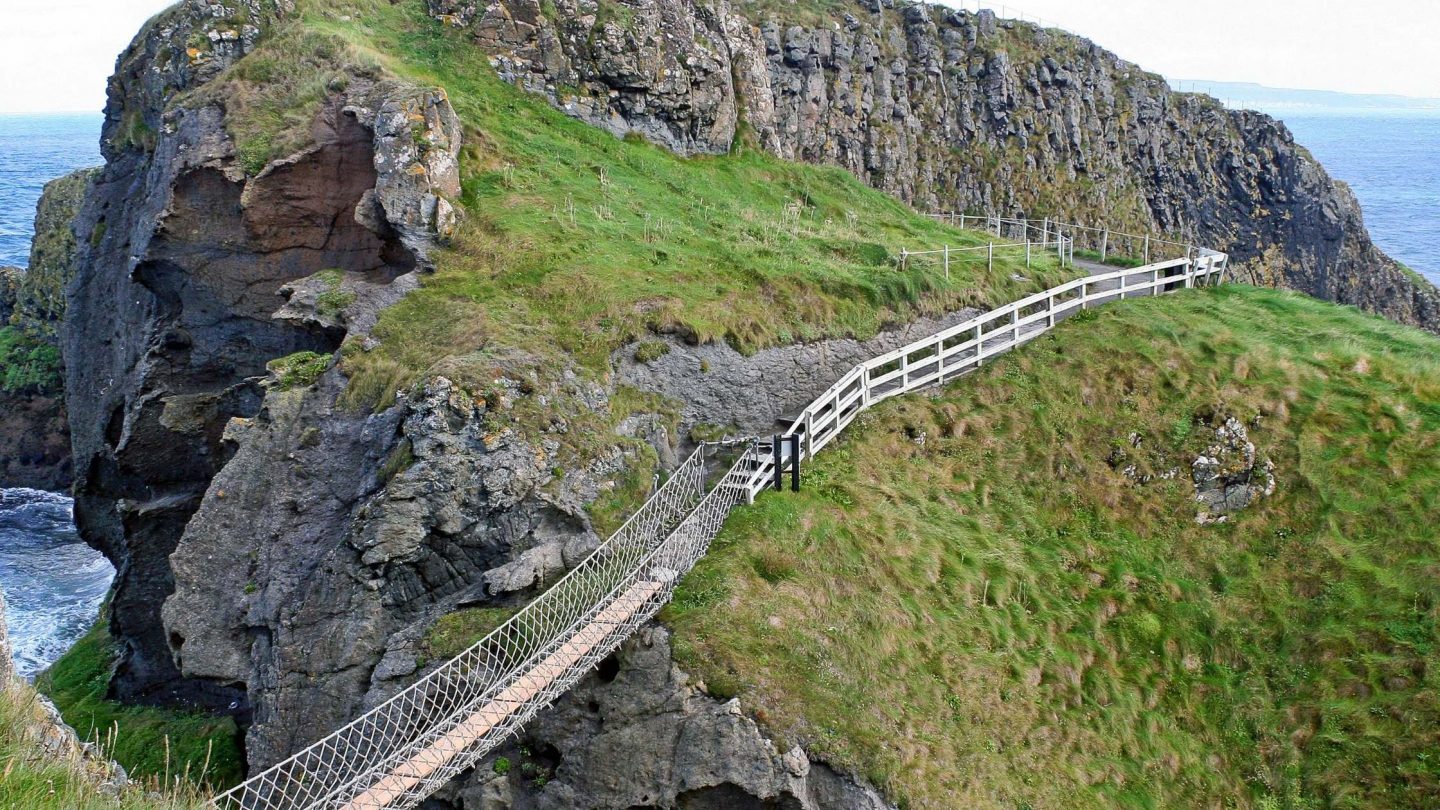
(403,750)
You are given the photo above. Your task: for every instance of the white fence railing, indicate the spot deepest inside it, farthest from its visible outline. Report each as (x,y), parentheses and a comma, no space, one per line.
(964,347)
(400,752)
(1064,247)
(1103,241)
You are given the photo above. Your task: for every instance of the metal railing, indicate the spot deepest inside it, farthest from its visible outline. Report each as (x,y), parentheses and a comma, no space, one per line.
(398,753)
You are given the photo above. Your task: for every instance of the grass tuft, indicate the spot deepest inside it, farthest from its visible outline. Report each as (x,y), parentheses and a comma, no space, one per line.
(150,743)
(999,616)
(34,778)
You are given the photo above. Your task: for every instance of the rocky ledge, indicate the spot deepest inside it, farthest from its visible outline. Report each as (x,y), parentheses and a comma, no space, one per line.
(954,111)
(34,435)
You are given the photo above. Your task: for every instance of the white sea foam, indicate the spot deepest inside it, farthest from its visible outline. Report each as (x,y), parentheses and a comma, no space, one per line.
(53,582)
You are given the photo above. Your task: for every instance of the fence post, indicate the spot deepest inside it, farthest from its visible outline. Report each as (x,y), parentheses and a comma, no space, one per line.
(754,449)
(979,345)
(1027,247)
(1085,295)
(904,259)
(1104,244)
(1045,231)
(990,262)
(1147,248)
(1050,311)
(794,462)
(809,434)
(947,262)
(1072,251)
(779,470)
(1015,325)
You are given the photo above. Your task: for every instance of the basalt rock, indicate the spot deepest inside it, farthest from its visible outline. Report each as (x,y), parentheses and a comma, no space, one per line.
(725,391)
(34,436)
(954,111)
(1230,475)
(185,261)
(640,733)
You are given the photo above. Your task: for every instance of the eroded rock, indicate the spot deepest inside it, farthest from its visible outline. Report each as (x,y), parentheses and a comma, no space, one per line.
(1230,475)
(639,733)
(951,110)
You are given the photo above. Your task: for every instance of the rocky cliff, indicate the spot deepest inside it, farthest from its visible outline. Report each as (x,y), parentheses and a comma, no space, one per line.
(954,111)
(193,273)
(34,438)
(281,555)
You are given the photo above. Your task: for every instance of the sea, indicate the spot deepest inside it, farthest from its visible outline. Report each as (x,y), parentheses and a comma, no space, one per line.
(1391,160)
(55,583)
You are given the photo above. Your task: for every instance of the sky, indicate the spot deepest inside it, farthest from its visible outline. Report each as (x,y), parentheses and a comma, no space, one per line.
(56,54)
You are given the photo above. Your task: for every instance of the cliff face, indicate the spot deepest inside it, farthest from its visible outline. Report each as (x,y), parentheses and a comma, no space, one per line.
(280,556)
(184,267)
(34,437)
(954,111)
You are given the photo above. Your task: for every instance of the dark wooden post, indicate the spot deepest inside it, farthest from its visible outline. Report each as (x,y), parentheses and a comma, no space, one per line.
(794,461)
(779,470)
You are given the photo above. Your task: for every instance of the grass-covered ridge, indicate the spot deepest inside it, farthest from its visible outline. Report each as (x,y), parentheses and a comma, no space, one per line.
(574,242)
(971,604)
(150,743)
(34,778)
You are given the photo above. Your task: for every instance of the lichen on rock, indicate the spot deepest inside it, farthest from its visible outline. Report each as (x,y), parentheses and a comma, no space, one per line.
(1230,475)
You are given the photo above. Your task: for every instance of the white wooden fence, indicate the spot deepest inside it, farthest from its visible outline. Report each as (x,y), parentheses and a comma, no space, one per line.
(397,754)
(966,346)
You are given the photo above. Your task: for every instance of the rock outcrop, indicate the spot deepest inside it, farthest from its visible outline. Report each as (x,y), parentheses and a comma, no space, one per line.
(34,436)
(951,110)
(639,733)
(1230,475)
(184,260)
(7,653)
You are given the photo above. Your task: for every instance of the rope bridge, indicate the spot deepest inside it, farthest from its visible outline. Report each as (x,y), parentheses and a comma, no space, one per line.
(399,753)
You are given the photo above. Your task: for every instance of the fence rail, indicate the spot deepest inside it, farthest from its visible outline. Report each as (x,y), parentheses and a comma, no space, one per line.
(400,752)
(964,347)
(1103,241)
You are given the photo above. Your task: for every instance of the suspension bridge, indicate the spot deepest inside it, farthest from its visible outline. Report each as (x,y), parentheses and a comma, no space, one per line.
(399,753)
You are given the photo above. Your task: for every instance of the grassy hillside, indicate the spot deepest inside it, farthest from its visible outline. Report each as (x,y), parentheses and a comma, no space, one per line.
(575,243)
(150,743)
(32,777)
(973,605)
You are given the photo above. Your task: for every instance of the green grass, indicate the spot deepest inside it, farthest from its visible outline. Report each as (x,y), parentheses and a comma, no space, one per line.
(995,616)
(575,243)
(1111,258)
(27,364)
(35,779)
(150,743)
(456,632)
(299,369)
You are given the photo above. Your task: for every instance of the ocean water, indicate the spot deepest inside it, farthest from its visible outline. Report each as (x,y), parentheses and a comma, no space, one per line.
(1391,160)
(52,581)
(35,149)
